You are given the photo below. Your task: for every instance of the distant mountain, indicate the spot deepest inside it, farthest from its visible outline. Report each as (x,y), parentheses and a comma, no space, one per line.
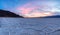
(54,16)
(4,13)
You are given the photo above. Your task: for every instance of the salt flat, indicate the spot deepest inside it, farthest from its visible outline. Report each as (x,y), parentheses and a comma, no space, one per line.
(29,26)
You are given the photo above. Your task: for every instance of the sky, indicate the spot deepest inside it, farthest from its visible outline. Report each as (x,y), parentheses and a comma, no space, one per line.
(32,8)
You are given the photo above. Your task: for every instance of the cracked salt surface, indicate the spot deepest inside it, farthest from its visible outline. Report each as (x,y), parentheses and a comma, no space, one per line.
(29,26)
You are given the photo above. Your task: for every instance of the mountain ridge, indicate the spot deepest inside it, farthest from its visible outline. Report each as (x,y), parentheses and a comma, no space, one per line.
(54,16)
(5,13)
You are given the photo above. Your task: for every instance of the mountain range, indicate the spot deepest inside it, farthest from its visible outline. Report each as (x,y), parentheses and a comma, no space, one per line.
(4,13)
(53,16)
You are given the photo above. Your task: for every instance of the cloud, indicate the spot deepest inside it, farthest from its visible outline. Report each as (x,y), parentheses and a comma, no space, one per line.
(39,14)
(37,9)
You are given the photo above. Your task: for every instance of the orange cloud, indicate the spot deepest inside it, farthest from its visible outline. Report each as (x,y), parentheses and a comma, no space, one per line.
(39,14)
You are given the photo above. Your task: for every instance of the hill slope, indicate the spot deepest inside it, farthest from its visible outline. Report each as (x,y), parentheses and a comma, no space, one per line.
(4,13)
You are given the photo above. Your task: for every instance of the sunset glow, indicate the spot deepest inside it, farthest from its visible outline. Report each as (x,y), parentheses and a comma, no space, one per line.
(31,8)
(40,14)
(35,10)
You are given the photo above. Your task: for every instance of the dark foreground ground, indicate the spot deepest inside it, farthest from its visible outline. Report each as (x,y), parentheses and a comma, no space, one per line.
(29,26)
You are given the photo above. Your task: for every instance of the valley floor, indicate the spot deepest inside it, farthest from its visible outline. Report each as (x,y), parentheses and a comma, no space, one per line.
(29,26)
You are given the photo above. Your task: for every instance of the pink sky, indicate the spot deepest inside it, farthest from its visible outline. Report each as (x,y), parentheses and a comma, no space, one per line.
(27,8)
